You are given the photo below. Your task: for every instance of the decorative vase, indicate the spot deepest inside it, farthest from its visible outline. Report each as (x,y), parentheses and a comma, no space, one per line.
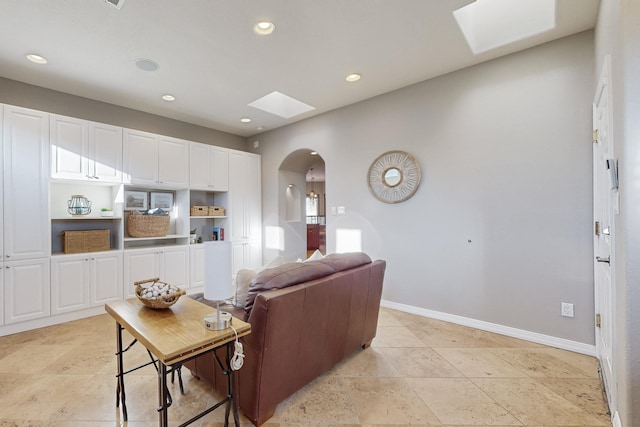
(78,205)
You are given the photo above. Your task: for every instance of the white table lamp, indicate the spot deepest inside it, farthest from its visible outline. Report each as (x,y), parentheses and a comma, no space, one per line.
(218,284)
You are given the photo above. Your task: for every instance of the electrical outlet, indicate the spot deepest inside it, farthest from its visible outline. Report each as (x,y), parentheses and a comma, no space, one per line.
(566,309)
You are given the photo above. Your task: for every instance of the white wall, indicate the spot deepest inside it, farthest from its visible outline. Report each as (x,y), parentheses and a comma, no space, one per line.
(505,153)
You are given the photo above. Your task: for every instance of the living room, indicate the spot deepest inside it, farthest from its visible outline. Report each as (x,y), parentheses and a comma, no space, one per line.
(499,232)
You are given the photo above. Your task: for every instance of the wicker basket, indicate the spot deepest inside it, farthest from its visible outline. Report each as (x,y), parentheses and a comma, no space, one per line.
(159,302)
(148,225)
(216,211)
(75,242)
(199,210)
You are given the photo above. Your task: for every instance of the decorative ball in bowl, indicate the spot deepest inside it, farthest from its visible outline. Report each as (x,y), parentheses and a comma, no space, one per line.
(156,294)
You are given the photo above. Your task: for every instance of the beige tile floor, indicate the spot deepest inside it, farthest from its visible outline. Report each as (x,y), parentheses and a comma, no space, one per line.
(418,372)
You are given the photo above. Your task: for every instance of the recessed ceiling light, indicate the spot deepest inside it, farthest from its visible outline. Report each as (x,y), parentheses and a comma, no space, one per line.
(168,97)
(353,77)
(37,58)
(147,64)
(264,28)
(314,153)
(245,120)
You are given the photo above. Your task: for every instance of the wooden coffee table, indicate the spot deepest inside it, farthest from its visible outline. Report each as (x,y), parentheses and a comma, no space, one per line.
(173,336)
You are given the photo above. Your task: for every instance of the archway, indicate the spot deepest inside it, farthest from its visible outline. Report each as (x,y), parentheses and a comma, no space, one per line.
(293,189)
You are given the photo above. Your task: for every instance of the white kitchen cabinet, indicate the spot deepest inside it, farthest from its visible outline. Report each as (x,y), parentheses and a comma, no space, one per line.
(245,209)
(169,263)
(83,150)
(86,280)
(1,293)
(196,260)
(26,225)
(26,290)
(209,167)
(154,160)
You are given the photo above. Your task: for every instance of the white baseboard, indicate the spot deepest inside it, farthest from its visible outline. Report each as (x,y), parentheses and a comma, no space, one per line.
(564,344)
(14,328)
(615,421)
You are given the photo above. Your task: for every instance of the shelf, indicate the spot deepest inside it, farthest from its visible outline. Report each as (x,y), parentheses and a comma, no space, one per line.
(207,216)
(85,218)
(168,236)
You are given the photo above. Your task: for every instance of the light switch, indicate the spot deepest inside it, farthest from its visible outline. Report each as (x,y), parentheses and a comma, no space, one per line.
(341,210)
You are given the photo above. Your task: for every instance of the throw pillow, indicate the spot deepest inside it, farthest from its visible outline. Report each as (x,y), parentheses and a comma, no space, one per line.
(243,281)
(315,256)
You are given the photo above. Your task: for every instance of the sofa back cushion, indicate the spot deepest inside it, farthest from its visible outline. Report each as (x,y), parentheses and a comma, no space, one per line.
(286,275)
(345,261)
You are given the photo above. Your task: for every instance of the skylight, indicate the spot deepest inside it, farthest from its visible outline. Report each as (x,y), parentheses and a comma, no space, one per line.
(489,24)
(281,105)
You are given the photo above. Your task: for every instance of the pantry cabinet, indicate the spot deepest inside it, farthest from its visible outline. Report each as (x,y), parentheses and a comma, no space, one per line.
(26,290)
(169,263)
(155,160)
(245,212)
(86,280)
(84,150)
(26,222)
(208,167)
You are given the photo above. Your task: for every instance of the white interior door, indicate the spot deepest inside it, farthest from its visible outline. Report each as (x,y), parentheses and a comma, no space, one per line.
(605,197)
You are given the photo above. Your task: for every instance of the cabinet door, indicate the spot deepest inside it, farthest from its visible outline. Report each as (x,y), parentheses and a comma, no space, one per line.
(196,260)
(69,146)
(26,290)
(139,265)
(1,293)
(105,152)
(253,200)
(173,163)
(174,266)
(27,226)
(237,185)
(199,166)
(219,169)
(69,283)
(1,199)
(106,278)
(140,157)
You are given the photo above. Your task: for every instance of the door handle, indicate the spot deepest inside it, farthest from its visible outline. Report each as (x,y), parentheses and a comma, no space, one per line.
(607,259)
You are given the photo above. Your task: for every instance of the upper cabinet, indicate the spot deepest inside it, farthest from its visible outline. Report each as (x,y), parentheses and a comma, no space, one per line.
(209,167)
(154,160)
(26,184)
(86,151)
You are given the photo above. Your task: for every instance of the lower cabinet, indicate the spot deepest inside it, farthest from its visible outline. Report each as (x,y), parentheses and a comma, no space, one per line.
(196,259)
(170,264)
(1,293)
(27,290)
(84,281)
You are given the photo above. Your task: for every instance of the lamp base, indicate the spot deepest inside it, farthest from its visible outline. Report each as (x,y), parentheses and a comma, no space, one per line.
(213,322)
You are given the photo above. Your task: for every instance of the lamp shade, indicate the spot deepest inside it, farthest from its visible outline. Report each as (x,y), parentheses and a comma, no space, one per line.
(217,270)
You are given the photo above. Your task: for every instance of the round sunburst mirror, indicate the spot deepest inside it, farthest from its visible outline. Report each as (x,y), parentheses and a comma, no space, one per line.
(394,176)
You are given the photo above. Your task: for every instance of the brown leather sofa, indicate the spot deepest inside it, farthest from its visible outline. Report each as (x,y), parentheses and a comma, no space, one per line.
(305,318)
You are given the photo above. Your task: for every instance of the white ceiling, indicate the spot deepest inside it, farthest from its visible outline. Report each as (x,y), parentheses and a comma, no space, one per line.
(215,65)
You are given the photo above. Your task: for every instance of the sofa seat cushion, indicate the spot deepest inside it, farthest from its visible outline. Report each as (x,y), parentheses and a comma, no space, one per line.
(286,275)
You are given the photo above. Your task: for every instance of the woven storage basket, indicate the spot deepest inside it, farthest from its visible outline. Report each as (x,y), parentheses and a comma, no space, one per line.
(216,211)
(199,210)
(75,242)
(148,225)
(164,301)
